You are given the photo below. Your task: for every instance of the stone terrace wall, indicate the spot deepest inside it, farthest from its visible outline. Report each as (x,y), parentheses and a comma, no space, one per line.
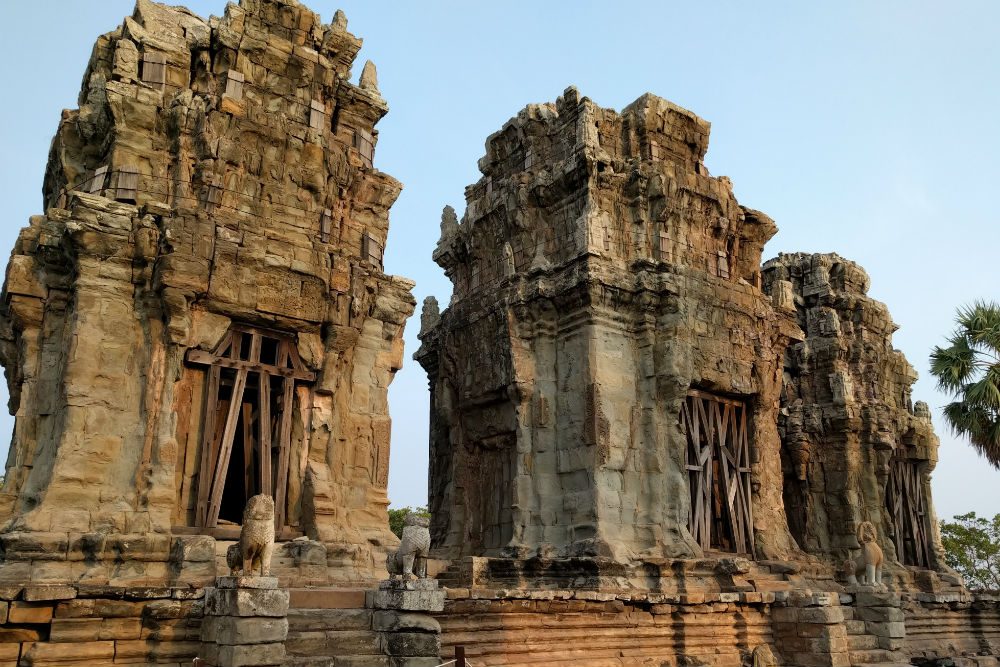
(83,625)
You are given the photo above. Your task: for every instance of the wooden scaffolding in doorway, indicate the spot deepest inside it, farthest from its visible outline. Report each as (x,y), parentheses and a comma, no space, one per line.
(904,501)
(249,397)
(717,459)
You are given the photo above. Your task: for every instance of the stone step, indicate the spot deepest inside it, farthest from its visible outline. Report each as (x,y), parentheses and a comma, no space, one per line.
(311,661)
(862,642)
(326,598)
(310,620)
(872,656)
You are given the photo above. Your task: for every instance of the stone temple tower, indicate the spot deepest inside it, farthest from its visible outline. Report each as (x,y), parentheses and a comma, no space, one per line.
(605,284)
(201,313)
(617,376)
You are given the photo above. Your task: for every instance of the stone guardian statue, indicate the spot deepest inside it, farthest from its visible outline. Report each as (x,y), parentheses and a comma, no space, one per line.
(869,565)
(410,560)
(257,535)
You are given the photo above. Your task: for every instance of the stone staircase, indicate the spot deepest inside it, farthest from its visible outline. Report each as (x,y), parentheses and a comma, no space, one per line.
(335,628)
(869,625)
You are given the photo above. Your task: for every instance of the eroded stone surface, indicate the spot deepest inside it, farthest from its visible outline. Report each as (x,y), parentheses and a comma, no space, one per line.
(599,273)
(217,172)
(847,413)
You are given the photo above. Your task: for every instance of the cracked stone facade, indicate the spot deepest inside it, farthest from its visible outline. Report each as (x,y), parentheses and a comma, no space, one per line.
(599,273)
(610,317)
(217,173)
(847,416)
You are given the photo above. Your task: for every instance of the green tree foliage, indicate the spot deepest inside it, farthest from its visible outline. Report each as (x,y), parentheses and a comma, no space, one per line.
(398,516)
(969,368)
(972,547)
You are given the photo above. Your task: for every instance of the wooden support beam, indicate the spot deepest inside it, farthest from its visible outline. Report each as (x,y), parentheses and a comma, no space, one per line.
(207,436)
(284,447)
(209,359)
(264,421)
(717,459)
(248,442)
(222,464)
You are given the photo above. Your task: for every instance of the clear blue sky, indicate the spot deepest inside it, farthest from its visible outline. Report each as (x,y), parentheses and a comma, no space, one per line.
(869,129)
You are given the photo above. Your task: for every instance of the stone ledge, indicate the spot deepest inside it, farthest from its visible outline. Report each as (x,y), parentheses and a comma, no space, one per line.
(693,598)
(408,600)
(261,583)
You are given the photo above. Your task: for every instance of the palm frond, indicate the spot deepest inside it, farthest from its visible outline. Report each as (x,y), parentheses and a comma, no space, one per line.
(969,367)
(979,316)
(953,366)
(978,424)
(984,393)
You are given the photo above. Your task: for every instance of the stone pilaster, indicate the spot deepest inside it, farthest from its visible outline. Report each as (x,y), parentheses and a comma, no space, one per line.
(407,633)
(810,631)
(245,623)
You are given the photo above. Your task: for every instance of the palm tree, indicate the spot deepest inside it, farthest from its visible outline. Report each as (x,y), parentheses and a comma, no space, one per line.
(969,368)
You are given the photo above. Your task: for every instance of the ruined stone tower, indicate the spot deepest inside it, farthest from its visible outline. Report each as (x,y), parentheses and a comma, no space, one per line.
(855,447)
(201,313)
(605,284)
(637,425)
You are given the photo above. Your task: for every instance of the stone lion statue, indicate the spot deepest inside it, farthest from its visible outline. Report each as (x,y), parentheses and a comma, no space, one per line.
(869,565)
(257,536)
(411,558)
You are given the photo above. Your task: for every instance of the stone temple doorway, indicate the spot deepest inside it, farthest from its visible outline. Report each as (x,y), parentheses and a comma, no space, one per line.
(904,500)
(247,424)
(717,459)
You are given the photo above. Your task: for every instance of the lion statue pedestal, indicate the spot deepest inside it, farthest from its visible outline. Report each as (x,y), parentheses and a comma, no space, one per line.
(246,612)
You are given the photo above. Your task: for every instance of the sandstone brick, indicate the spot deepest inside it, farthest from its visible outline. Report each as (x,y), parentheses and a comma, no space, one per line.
(230,630)
(411,644)
(245,656)
(44,593)
(825,615)
(394,621)
(72,630)
(15,635)
(29,612)
(38,653)
(247,602)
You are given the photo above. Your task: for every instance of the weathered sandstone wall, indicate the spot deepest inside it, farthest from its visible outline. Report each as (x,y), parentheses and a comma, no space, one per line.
(855,447)
(217,174)
(600,275)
